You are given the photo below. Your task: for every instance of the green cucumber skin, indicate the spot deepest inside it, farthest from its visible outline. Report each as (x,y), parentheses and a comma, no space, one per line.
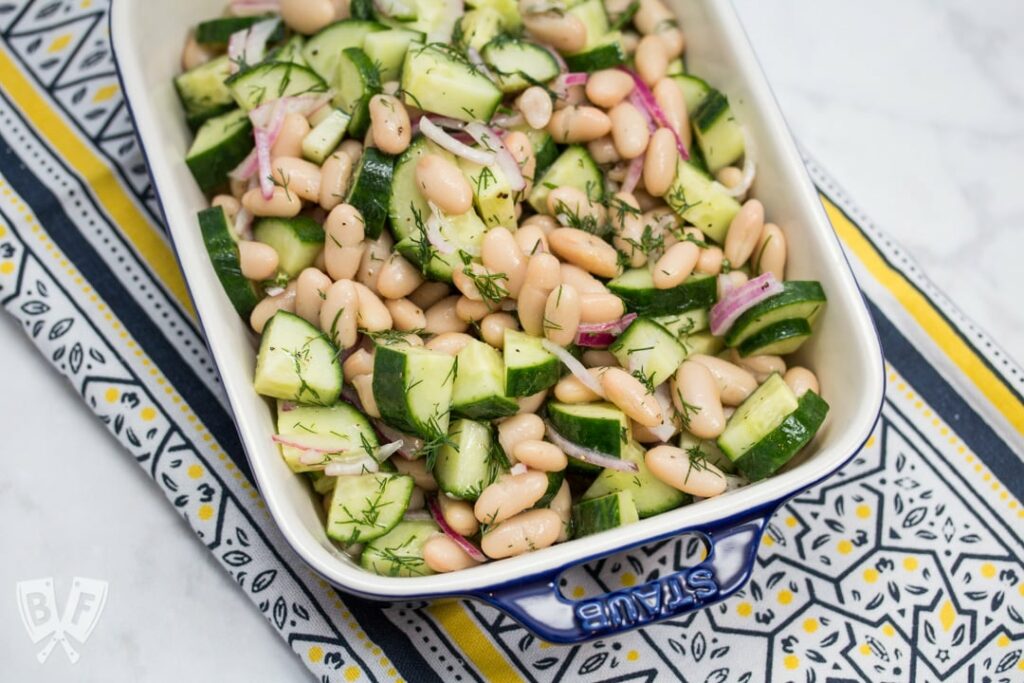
(555,480)
(490,408)
(210,168)
(223,251)
(785,441)
(794,293)
(605,56)
(359,122)
(319,348)
(528,381)
(389,365)
(601,514)
(793,333)
(286,73)
(384,490)
(603,436)
(650,495)
(710,110)
(371,191)
(218,31)
(209,97)
(692,294)
(297,241)
(405,541)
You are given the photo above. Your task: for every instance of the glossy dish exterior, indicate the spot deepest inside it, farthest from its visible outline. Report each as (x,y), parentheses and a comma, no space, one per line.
(844,352)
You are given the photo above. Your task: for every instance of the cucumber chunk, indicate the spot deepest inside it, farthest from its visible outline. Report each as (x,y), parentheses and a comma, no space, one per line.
(695,91)
(799,299)
(479,391)
(719,135)
(436,78)
(371,189)
(778,339)
(222,246)
(202,91)
(271,81)
(413,388)
(367,506)
(699,200)
(357,81)
(296,362)
(477,28)
(529,367)
(465,232)
(387,50)
(759,415)
(778,447)
(598,426)
(508,9)
(221,144)
(408,209)
(636,289)
(606,54)
(601,514)
(339,422)
(297,241)
(647,348)
(400,551)
(708,450)
(492,194)
(325,137)
(518,64)
(470,462)
(650,495)
(685,323)
(574,168)
(322,51)
(291,51)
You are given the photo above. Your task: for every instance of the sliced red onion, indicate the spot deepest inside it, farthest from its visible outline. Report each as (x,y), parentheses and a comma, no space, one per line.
(633,173)
(577,368)
(246,169)
(740,299)
(473,55)
(460,540)
(560,86)
(574,450)
(574,78)
(236,48)
(506,162)
(243,223)
(410,444)
(667,429)
(389,449)
(518,468)
(354,467)
(439,136)
(316,443)
(559,60)
(590,334)
(446,121)
(507,120)
(638,103)
(646,101)
(287,406)
(264,170)
(256,40)
(274,291)
(434,234)
(249,8)
(749,167)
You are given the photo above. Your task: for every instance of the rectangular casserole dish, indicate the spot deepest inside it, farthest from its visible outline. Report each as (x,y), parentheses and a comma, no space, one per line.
(845,353)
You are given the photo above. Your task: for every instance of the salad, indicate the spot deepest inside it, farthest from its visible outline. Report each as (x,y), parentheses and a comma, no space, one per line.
(509,284)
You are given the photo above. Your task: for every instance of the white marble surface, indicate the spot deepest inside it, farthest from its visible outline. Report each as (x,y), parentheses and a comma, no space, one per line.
(916,107)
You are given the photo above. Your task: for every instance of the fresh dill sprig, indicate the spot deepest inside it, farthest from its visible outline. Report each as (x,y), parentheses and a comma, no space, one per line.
(491,286)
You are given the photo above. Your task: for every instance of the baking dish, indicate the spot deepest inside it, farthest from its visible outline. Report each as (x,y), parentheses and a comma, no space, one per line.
(845,353)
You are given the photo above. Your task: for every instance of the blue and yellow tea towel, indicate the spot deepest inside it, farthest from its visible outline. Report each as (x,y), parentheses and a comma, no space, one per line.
(906,566)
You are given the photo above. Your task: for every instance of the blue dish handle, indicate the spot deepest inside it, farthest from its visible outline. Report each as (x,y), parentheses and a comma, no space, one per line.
(538,604)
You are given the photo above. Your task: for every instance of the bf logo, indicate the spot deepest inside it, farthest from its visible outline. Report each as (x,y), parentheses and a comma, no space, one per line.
(38,608)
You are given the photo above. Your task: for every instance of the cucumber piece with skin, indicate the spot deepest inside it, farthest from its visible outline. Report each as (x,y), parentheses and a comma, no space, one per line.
(695,90)
(325,137)
(409,209)
(508,9)
(367,506)
(778,339)
(702,342)
(477,28)
(573,168)
(339,423)
(799,299)
(492,194)
(291,51)
(268,82)
(436,78)
(413,388)
(529,367)
(602,514)
(400,551)
(222,246)
(718,134)
(599,426)
(778,447)
(701,201)
(636,289)
(357,81)
(707,450)
(759,415)
(470,462)
(686,323)
(202,91)
(555,480)
(297,241)
(518,64)
(371,189)
(296,362)
(651,495)
(479,391)
(387,50)
(220,145)
(322,484)
(217,32)
(607,54)
(647,348)
(545,151)
(465,232)
(323,50)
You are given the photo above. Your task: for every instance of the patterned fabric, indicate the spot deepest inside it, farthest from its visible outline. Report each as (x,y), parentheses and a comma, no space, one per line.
(905,566)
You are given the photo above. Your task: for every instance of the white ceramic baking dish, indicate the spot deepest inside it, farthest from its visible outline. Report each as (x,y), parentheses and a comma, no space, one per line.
(148,37)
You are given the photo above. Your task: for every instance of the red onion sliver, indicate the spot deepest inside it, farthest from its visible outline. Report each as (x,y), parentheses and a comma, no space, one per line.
(460,540)
(263,162)
(236,48)
(518,468)
(645,100)
(249,8)
(256,40)
(575,78)
(574,450)
(355,467)
(506,162)
(246,169)
(749,167)
(600,335)
(439,136)
(243,224)
(507,120)
(667,429)
(740,299)
(559,60)
(434,234)
(477,61)
(633,173)
(318,443)
(410,444)
(594,340)
(577,368)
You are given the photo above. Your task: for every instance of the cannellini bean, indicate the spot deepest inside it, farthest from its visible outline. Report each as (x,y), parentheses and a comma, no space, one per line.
(562,315)
(353,149)
(373,315)
(406,315)
(660,162)
(459,515)
(531,403)
(364,388)
(676,265)
(710,261)
(194,54)
(631,397)
(265,309)
(761,367)
(735,278)
(744,232)
(572,203)
(695,385)
(442,182)
(543,221)
(673,40)
(417,469)
(257,260)
(599,358)
(531,530)
(294,129)
(801,380)
(561,505)
(500,253)
(441,554)
(542,276)
(307,16)
(310,291)
(339,313)
(509,496)
(651,59)
(563,31)
(570,389)
(578,124)
(466,277)
(630,39)
(450,343)
(375,255)
(585,250)
(359,363)
(541,455)
(429,293)
(603,151)
(516,429)
(390,121)
(521,149)
(629,130)
(299,176)
(230,205)
(730,176)
(536,106)
(493,326)
(581,280)
(343,246)
(608,87)
(532,239)
(282,204)
(601,308)
(669,97)
(398,278)
(628,225)
(735,384)
(771,251)
(441,317)
(471,311)
(334,179)
(674,467)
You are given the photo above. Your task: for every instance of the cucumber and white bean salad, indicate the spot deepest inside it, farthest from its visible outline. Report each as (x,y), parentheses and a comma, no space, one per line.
(510,286)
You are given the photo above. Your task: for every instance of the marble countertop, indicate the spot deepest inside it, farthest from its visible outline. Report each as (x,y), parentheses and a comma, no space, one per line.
(913,107)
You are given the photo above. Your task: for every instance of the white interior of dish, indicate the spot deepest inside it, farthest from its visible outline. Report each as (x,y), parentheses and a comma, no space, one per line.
(844,351)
